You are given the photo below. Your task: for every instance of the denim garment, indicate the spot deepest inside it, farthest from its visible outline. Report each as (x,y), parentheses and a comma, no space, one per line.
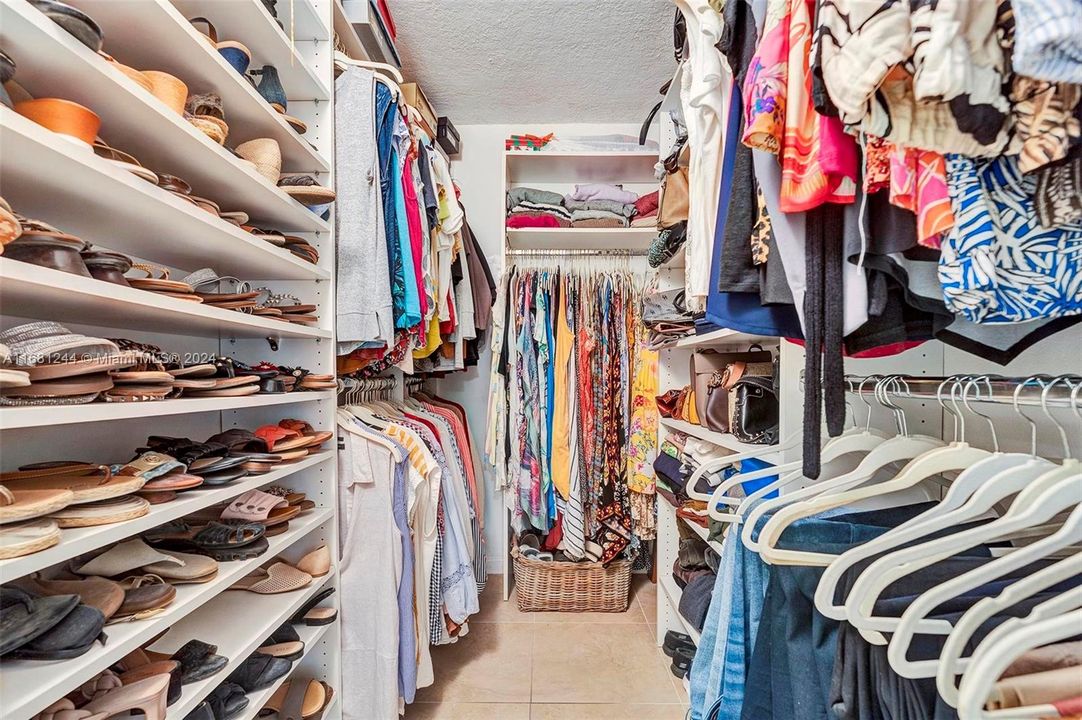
(720,666)
(386,113)
(792,665)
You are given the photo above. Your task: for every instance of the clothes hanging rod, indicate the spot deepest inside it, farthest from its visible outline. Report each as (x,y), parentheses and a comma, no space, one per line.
(576,251)
(977,388)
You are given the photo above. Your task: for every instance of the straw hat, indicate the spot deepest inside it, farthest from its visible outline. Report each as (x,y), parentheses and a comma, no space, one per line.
(212,127)
(265,154)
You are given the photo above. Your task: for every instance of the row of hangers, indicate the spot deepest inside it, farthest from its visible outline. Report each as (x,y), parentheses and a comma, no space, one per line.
(1031,498)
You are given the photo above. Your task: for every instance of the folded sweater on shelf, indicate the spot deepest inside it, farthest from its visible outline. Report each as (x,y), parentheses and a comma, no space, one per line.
(518,195)
(625,209)
(536,220)
(597,218)
(601,191)
(539,207)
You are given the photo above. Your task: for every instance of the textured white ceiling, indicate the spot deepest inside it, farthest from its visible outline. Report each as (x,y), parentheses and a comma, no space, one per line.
(548,61)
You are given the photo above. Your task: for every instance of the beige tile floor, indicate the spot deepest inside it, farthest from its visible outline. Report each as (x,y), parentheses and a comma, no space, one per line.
(554,666)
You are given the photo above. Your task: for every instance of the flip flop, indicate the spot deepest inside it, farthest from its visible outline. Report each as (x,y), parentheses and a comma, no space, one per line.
(284,642)
(242,391)
(125,557)
(97,592)
(25,617)
(25,538)
(172,482)
(88,483)
(280,577)
(192,568)
(73,636)
(16,505)
(102,512)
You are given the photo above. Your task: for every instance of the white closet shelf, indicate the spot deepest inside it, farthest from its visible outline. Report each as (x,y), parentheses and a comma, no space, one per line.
(249,22)
(135,121)
(27,687)
(310,636)
(76,541)
(238,623)
(347,34)
(46,177)
(677,262)
(725,336)
(724,440)
(15,418)
(365,22)
(41,293)
(580,238)
(672,594)
(527,167)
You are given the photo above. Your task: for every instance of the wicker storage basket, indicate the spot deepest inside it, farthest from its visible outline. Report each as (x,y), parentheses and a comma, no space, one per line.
(571,586)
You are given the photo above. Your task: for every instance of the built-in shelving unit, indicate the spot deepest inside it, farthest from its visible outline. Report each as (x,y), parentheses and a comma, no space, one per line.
(49,177)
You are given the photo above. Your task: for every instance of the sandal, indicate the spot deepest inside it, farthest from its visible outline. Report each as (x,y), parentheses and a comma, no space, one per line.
(24,617)
(49,351)
(100,593)
(313,616)
(284,643)
(145,595)
(315,438)
(148,696)
(227,701)
(123,558)
(298,699)
(26,538)
(157,280)
(88,483)
(211,537)
(73,636)
(278,438)
(261,507)
(192,568)
(198,660)
(102,512)
(259,671)
(280,577)
(16,505)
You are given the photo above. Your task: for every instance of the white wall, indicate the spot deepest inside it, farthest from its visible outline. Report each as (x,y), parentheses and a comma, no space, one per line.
(478,171)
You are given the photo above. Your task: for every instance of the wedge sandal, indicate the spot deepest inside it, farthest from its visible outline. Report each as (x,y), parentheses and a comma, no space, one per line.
(280,577)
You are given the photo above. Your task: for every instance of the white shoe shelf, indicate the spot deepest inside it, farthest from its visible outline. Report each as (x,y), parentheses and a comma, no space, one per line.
(49,177)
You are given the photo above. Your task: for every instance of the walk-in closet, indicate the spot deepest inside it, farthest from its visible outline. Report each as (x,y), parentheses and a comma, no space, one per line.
(493,360)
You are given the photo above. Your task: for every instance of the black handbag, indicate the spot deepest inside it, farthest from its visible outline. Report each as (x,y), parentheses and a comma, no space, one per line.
(755,417)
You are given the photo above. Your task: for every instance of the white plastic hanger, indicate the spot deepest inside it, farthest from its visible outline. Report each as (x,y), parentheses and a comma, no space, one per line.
(1043,490)
(901,448)
(715,464)
(916,614)
(384,68)
(1012,639)
(951,663)
(955,456)
(836,459)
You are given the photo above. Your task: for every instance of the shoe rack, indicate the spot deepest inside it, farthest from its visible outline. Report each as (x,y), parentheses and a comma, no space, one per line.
(45,176)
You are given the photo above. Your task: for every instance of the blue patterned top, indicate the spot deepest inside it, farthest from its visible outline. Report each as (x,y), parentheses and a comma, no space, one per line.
(998,264)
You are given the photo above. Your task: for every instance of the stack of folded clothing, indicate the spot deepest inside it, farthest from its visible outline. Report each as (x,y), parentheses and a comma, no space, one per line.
(600,205)
(531,207)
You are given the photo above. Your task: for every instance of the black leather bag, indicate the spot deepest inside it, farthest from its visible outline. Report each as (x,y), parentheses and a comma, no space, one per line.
(755,417)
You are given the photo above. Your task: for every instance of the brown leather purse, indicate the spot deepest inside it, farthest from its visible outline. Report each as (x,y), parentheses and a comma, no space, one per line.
(712,378)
